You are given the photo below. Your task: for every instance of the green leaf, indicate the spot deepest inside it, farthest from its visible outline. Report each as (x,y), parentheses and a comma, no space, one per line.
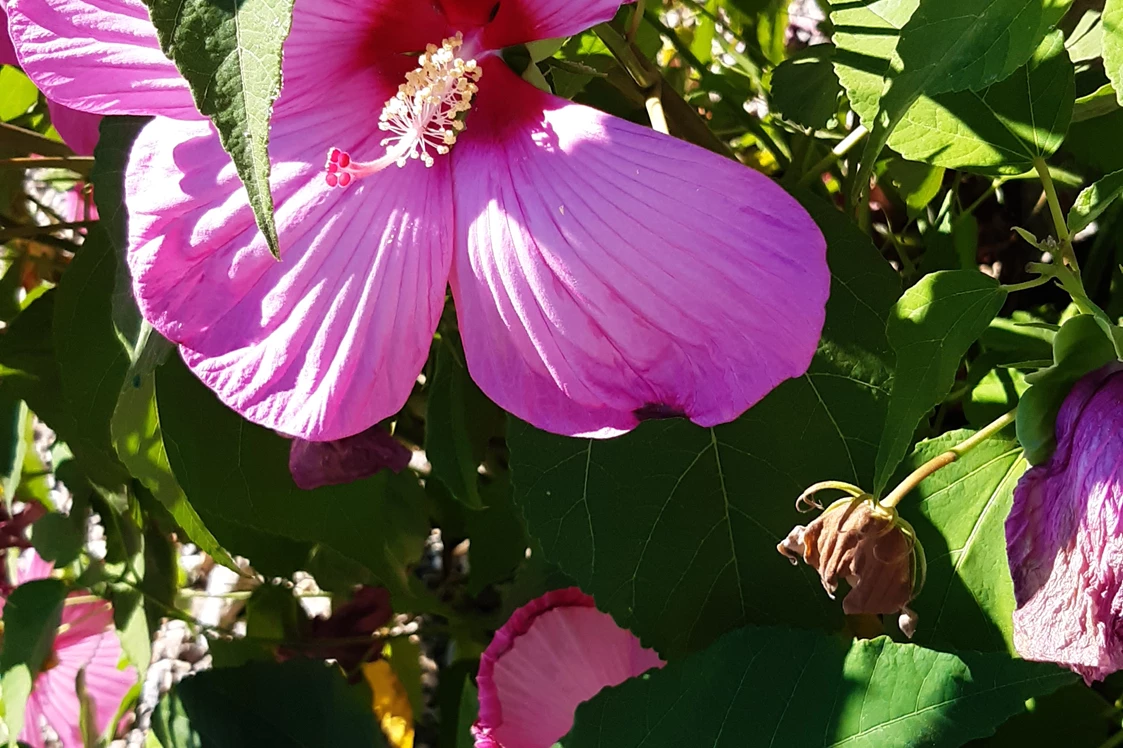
(1000,129)
(467,715)
(56,538)
(1078,348)
(498,538)
(1112,23)
(931,328)
(296,704)
(17,93)
(673,527)
(139,441)
(1085,43)
(959,515)
(459,422)
(916,183)
(31,617)
(1094,200)
(782,687)
(405,661)
(238,472)
(866,35)
(91,360)
(982,42)
(996,393)
(229,51)
(1096,104)
(805,87)
(1074,716)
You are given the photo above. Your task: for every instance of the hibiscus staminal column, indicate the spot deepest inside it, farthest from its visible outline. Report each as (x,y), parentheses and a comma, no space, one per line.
(425,115)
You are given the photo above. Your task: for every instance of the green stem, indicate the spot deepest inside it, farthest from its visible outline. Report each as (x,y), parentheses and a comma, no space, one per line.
(27,232)
(1026,285)
(1054,204)
(840,150)
(637,18)
(943,460)
(77,164)
(994,185)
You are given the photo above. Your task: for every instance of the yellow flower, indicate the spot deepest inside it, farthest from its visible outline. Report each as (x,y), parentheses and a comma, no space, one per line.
(391,703)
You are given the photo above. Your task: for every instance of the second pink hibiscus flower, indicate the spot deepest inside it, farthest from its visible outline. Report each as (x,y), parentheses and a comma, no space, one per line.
(602,273)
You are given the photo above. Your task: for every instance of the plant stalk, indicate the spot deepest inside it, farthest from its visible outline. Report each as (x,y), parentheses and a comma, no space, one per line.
(943,460)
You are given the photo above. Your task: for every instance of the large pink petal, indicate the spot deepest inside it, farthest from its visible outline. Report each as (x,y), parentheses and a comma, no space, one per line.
(32,732)
(98,56)
(7,51)
(329,340)
(554,653)
(606,273)
(106,684)
(78,130)
(521,21)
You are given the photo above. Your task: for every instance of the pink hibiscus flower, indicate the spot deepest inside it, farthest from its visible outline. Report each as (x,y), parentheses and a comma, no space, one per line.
(85,639)
(77,129)
(554,653)
(1064,536)
(603,273)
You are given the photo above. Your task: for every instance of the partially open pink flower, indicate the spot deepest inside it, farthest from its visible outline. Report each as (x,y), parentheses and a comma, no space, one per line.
(554,653)
(85,640)
(603,273)
(1064,536)
(77,129)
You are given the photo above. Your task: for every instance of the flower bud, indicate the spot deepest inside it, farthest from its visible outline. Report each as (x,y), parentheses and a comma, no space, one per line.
(869,546)
(1064,536)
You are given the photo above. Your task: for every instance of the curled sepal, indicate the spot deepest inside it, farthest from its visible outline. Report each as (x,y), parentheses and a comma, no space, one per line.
(868,545)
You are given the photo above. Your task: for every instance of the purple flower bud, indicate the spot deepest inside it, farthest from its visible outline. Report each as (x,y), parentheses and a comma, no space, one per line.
(316,464)
(1064,536)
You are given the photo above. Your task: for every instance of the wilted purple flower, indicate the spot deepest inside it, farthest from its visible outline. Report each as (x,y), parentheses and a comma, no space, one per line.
(1064,536)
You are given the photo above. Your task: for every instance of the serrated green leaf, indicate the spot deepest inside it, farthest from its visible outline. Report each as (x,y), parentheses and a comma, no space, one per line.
(930,328)
(232,470)
(959,514)
(1112,24)
(229,51)
(1000,129)
(673,527)
(780,687)
(805,87)
(296,704)
(1094,200)
(31,617)
(866,36)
